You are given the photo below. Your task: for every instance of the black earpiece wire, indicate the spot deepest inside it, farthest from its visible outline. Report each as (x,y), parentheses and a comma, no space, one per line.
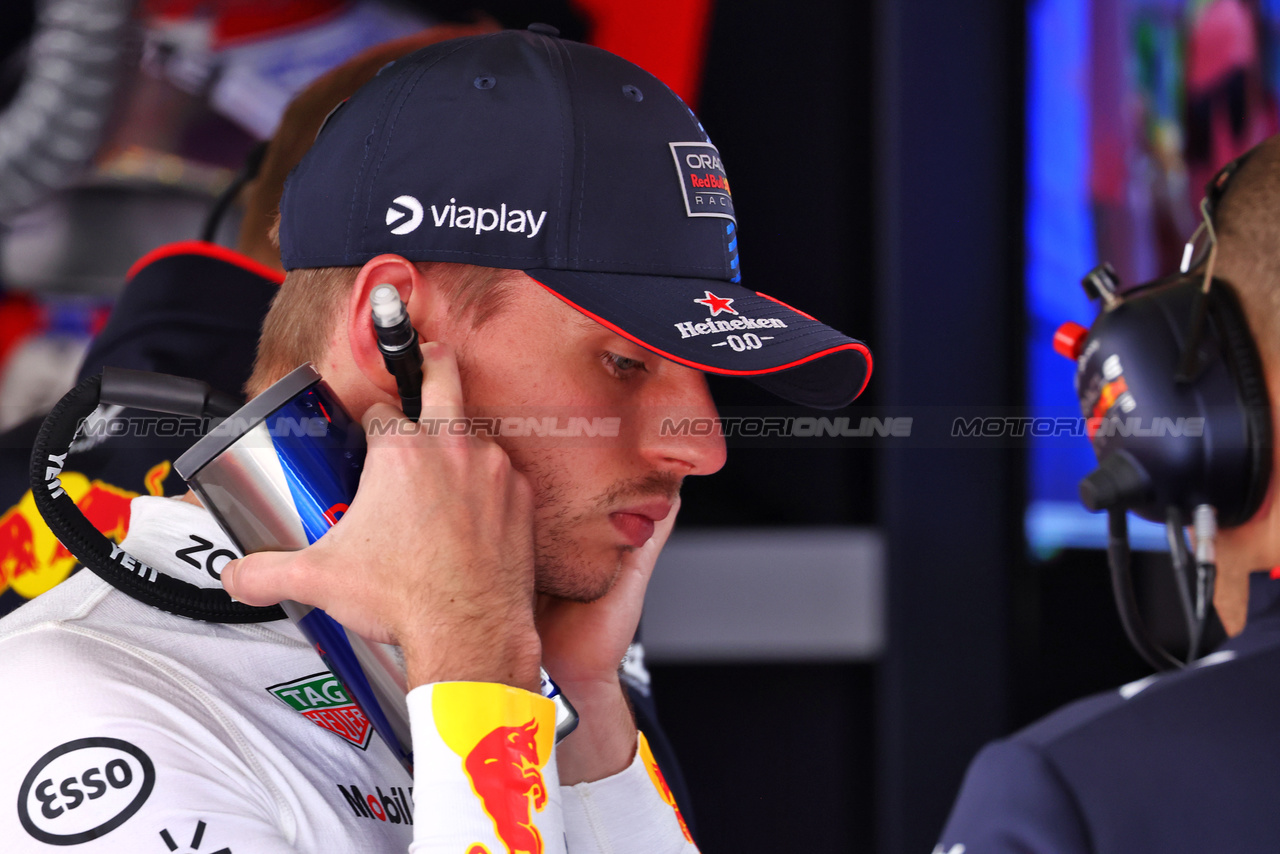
(1126,602)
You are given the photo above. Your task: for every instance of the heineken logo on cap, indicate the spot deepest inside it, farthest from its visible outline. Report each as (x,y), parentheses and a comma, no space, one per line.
(702,179)
(717,304)
(323,701)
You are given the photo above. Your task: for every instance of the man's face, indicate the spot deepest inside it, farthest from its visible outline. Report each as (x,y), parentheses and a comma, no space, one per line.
(596,497)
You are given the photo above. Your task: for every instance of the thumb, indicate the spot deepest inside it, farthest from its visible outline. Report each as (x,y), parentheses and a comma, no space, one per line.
(661,532)
(263,578)
(645,558)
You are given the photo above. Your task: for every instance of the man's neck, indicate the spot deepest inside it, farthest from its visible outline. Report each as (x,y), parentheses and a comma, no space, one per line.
(1231,600)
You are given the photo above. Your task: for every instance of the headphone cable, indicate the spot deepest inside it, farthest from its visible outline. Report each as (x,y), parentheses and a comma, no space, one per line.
(1182,575)
(1126,603)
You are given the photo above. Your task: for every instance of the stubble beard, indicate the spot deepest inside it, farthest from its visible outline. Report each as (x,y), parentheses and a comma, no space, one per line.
(561,567)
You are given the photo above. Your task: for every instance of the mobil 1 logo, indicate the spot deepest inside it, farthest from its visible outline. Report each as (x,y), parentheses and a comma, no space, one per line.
(84,789)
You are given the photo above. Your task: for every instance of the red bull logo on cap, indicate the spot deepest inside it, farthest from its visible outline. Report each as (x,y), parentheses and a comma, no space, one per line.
(504,738)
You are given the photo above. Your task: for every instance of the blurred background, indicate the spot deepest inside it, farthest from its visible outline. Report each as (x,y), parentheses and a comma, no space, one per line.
(844,618)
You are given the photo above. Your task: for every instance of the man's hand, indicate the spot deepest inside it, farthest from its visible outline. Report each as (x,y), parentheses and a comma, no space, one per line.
(435,552)
(582,648)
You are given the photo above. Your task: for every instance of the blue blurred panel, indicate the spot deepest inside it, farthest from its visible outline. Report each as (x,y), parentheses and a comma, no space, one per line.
(1055,525)
(1060,249)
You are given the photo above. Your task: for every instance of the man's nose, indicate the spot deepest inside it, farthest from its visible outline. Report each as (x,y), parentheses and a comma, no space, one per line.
(682,431)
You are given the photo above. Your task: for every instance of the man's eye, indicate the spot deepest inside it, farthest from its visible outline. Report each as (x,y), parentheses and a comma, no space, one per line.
(621,365)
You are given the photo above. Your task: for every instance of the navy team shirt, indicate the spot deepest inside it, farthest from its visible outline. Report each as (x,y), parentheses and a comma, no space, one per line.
(1178,762)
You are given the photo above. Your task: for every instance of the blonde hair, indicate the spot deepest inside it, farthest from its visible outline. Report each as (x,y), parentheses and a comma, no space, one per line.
(301,319)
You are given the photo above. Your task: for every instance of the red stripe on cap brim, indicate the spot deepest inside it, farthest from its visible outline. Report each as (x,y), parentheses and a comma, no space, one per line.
(788,306)
(852,345)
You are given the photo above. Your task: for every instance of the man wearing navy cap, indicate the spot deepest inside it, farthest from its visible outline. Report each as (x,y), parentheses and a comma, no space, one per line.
(561,232)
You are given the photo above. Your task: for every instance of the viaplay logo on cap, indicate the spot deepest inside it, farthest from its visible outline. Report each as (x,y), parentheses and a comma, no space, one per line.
(401,207)
(702,179)
(504,218)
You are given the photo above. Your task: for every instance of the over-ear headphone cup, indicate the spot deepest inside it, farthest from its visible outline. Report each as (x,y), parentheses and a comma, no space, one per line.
(1245,365)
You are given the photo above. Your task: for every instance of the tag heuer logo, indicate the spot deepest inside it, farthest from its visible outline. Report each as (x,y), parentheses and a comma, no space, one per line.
(321,699)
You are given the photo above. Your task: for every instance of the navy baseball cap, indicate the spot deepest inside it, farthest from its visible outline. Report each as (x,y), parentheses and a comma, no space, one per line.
(524,151)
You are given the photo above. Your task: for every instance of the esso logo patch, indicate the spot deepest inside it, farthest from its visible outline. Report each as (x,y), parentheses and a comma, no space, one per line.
(84,789)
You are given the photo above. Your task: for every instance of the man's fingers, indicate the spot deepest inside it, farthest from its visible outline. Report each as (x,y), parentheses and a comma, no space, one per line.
(638,565)
(264,578)
(377,416)
(645,557)
(441,395)
(441,385)
(662,530)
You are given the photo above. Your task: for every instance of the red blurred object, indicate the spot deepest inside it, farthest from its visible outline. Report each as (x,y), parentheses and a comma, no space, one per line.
(20,317)
(1069,339)
(238,19)
(667,38)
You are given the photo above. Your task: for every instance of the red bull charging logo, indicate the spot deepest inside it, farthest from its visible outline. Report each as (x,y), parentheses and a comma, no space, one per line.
(507,777)
(504,746)
(660,783)
(31,558)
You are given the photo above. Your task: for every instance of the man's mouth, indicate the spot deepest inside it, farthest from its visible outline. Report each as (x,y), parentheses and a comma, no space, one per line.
(636,523)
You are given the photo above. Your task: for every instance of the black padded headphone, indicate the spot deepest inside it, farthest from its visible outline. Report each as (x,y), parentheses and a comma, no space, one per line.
(1172,383)
(1173,388)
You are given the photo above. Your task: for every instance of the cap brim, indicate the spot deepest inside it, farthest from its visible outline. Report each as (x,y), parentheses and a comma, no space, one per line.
(722,328)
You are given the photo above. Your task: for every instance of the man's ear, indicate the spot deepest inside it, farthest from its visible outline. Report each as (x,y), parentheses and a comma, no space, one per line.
(415,293)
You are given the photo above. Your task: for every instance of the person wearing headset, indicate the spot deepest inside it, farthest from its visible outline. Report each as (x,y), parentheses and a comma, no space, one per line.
(561,231)
(1184,760)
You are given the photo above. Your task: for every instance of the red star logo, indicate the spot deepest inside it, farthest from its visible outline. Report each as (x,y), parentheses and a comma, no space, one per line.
(717,304)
